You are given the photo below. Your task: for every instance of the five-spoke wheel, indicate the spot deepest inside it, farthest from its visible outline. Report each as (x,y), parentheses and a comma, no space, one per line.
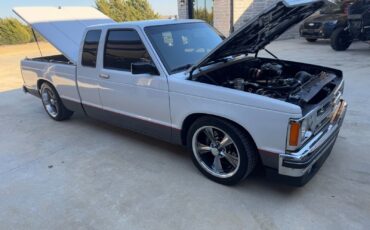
(50,102)
(53,104)
(222,151)
(216,151)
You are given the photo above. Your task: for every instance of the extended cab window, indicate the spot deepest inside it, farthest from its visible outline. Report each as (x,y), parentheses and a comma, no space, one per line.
(122,48)
(90,48)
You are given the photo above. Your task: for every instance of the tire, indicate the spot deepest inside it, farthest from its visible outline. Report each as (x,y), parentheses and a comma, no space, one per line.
(340,39)
(53,104)
(219,160)
(311,39)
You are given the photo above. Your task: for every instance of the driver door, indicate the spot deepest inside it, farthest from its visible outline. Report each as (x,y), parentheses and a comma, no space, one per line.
(136,101)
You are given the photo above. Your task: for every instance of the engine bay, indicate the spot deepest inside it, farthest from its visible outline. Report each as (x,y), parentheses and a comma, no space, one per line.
(288,81)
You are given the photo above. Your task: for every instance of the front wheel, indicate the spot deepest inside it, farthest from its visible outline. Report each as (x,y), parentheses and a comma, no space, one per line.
(221,150)
(53,104)
(340,39)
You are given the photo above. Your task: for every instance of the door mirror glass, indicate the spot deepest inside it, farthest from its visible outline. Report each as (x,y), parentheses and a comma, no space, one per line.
(144,68)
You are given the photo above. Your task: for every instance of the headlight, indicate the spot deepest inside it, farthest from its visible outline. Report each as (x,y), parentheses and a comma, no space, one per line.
(306,131)
(304,128)
(298,133)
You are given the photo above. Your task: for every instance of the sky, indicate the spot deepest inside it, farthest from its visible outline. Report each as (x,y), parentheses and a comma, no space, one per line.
(163,7)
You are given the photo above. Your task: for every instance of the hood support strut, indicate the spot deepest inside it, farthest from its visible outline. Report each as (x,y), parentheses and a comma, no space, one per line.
(269,52)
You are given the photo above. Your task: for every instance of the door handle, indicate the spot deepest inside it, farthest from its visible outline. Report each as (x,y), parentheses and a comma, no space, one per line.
(104,76)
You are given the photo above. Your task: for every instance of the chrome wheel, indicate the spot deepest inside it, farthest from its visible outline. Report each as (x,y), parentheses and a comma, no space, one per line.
(216,151)
(50,101)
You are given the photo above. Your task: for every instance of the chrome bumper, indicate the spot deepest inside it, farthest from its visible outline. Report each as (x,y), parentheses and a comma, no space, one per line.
(300,163)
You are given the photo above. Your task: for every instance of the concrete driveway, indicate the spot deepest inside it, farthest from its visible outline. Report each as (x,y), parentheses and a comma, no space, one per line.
(82,174)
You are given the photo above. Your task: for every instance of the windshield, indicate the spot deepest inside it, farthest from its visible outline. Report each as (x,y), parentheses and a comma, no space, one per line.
(182,45)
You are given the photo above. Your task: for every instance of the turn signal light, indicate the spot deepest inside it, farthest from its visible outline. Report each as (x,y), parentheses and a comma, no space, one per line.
(294,133)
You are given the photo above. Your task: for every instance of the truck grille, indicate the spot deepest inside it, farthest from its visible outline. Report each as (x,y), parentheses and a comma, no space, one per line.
(312,25)
(324,113)
(320,117)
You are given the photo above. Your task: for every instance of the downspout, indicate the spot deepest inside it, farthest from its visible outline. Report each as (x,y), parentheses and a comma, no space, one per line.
(231,16)
(190,9)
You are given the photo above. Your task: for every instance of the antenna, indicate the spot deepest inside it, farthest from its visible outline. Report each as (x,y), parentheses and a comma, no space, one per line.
(37,42)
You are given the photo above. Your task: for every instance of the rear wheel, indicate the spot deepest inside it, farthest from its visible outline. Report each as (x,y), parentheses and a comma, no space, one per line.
(340,39)
(221,151)
(53,104)
(311,39)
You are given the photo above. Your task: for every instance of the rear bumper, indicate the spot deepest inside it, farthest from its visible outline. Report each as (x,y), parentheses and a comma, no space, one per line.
(314,153)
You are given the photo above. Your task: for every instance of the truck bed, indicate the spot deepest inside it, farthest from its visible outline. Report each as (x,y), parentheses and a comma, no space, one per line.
(61,59)
(57,70)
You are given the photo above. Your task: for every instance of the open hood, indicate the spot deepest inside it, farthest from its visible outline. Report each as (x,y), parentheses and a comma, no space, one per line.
(263,29)
(63,27)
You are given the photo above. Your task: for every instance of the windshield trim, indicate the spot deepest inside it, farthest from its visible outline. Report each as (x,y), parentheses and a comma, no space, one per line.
(160,55)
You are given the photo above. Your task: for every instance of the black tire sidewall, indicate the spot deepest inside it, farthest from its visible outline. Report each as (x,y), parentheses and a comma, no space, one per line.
(336,37)
(63,113)
(242,142)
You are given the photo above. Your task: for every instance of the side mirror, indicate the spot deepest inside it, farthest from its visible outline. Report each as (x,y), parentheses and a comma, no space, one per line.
(144,68)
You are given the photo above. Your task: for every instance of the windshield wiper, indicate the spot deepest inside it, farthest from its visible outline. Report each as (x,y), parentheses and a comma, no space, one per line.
(183,67)
(224,59)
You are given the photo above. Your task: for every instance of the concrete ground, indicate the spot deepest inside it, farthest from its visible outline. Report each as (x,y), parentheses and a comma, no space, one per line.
(81,174)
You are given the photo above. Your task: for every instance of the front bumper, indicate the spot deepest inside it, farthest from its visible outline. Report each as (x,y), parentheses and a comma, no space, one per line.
(315,152)
(314,33)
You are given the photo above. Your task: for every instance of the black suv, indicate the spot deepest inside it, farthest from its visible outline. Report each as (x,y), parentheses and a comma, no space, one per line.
(357,28)
(322,26)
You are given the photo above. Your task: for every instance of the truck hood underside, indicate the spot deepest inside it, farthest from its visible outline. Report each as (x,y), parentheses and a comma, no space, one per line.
(263,29)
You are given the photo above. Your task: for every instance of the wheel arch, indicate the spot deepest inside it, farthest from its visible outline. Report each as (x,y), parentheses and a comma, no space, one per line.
(190,119)
(42,81)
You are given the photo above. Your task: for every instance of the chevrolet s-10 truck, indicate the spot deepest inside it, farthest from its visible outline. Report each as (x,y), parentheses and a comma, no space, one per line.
(180,81)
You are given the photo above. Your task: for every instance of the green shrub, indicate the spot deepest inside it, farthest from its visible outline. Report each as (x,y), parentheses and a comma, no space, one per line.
(126,10)
(14,32)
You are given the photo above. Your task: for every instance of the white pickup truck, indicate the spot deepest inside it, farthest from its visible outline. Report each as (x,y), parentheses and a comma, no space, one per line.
(180,81)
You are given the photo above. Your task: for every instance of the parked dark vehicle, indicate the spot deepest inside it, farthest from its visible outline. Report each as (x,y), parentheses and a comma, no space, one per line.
(357,27)
(321,26)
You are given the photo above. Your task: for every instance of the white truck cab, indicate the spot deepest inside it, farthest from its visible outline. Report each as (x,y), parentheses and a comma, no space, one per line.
(179,81)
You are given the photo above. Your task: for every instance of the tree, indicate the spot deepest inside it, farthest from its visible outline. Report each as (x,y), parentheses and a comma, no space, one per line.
(126,10)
